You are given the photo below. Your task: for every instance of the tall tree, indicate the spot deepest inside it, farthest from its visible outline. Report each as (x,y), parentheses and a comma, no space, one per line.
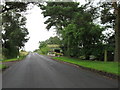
(59,14)
(14,32)
(17,6)
(75,28)
(117,30)
(111,14)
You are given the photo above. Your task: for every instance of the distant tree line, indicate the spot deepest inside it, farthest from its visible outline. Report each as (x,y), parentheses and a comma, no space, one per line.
(43,45)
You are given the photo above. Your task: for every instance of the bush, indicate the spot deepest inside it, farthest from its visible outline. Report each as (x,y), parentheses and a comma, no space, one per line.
(44,50)
(82,57)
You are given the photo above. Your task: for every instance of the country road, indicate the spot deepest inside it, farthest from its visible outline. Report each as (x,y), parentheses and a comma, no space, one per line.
(38,71)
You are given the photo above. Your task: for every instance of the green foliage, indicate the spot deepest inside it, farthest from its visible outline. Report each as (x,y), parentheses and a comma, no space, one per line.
(81,39)
(70,40)
(2,66)
(14,32)
(21,56)
(16,6)
(77,30)
(110,16)
(59,14)
(42,44)
(107,15)
(54,40)
(76,27)
(9,60)
(44,48)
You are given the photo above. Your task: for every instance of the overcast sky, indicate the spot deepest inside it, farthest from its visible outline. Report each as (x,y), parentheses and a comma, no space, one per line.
(36,28)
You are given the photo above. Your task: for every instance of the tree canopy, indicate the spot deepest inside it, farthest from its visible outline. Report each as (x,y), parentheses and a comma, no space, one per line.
(77,28)
(14,31)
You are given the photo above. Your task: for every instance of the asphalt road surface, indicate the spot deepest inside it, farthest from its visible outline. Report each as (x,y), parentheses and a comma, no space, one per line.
(38,71)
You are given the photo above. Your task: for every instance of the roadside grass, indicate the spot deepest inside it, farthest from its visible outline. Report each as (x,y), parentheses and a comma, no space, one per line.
(21,57)
(2,66)
(14,59)
(110,67)
(9,60)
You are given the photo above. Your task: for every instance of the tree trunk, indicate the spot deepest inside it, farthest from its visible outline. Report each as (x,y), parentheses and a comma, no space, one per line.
(105,56)
(68,47)
(117,33)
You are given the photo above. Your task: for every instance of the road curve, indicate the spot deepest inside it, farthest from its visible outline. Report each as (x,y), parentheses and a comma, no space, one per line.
(38,71)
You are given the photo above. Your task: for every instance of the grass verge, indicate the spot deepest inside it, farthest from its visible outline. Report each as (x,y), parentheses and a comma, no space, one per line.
(14,59)
(10,60)
(110,67)
(2,66)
